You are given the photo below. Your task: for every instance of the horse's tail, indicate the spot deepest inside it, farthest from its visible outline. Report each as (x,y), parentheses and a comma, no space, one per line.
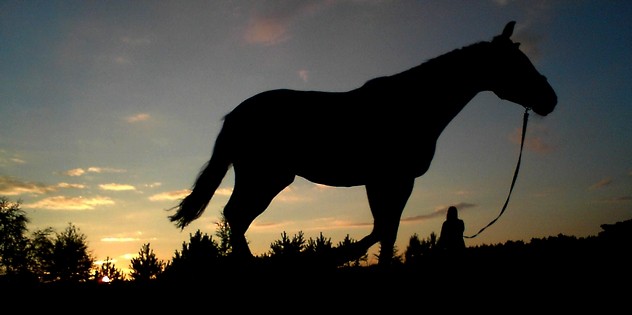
(209,178)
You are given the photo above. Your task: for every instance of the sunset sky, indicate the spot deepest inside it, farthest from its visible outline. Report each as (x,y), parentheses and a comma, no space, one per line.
(109,109)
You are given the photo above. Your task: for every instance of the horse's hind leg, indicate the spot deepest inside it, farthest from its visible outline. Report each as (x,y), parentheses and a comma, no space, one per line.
(253,192)
(387,200)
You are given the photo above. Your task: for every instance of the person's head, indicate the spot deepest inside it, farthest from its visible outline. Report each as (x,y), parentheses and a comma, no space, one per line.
(452,213)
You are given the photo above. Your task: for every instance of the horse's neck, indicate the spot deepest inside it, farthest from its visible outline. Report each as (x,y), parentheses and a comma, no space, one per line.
(433,93)
(461,71)
(449,82)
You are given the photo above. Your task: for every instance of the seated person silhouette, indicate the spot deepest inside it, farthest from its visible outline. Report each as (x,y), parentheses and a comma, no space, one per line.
(451,237)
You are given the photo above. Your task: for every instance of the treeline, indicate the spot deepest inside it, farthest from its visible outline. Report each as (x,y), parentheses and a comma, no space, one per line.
(46,257)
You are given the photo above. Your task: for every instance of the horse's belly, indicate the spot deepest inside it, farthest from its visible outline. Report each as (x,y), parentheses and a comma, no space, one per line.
(339,176)
(345,171)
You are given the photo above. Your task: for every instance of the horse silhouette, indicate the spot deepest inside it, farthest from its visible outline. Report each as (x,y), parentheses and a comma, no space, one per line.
(381,135)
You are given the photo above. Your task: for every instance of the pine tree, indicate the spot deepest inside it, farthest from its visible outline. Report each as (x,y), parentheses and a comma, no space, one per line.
(70,260)
(146,266)
(13,239)
(108,272)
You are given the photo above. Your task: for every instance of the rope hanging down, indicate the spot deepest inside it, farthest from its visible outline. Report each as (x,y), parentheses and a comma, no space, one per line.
(513,181)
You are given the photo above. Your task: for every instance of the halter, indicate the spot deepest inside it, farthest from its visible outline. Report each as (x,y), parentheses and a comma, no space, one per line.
(513,181)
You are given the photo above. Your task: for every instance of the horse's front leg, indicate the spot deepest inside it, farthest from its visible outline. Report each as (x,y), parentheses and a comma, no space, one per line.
(387,200)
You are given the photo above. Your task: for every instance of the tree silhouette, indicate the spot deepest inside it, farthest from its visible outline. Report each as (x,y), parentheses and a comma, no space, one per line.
(348,242)
(321,252)
(40,253)
(418,249)
(70,260)
(223,233)
(198,258)
(286,246)
(320,246)
(287,251)
(396,259)
(108,272)
(13,240)
(146,266)
(46,256)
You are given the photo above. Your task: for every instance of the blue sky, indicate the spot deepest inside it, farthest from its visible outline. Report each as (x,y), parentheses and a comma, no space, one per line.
(110,108)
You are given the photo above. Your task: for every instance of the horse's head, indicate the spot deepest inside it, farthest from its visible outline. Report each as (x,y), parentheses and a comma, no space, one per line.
(514,78)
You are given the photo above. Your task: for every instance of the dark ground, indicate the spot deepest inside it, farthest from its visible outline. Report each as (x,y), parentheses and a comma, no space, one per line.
(556,274)
(503,283)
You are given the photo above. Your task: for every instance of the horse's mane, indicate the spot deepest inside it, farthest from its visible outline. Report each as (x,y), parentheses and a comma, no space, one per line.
(459,58)
(457,53)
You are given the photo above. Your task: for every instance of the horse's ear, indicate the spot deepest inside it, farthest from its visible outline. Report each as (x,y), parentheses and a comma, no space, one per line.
(506,34)
(508,29)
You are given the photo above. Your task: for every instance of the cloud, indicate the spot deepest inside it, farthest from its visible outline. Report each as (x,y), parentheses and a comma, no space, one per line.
(266,31)
(17,160)
(537,145)
(6,159)
(304,75)
(262,225)
(129,256)
(138,117)
(70,203)
(270,22)
(170,195)
(462,193)
(534,139)
(116,187)
(323,224)
(438,212)
(600,184)
(135,41)
(101,262)
(529,44)
(526,33)
(332,224)
(119,239)
(10,186)
(322,186)
(619,199)
(289,195)
(424,217)
(224,192)
(93,169)
(122,60)
(286,195)
(75,172)
(340,223)
(502,3)
(69,185)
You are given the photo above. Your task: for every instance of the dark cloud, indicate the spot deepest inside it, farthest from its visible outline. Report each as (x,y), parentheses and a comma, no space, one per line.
(440,212)
(10,186)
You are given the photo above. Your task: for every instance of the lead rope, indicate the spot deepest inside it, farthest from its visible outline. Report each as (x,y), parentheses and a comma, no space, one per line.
(513,181)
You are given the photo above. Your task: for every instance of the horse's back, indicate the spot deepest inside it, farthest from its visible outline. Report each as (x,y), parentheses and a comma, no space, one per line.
(332,138)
